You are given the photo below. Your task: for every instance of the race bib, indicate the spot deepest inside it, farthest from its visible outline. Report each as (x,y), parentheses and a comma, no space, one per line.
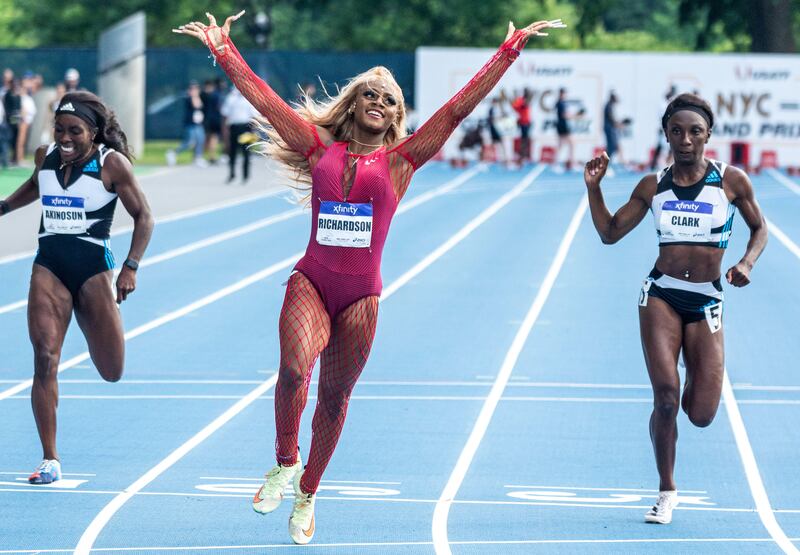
(686,220)
(63,215)
(344,224)
(714,317)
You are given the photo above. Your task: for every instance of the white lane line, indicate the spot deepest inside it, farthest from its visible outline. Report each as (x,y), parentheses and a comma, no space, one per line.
(395,500)
(191,247)
(11,307)
(442,510)
(785,181)
(93,530)
(776,231)
(261,479)
(384,545)
(462,398)
(224,292)
(464,232)
(415,383)
(271,220)
(183,214)
(174,315)
(382,383)
(783,238)
(89,535)
(572,488)
(751,471)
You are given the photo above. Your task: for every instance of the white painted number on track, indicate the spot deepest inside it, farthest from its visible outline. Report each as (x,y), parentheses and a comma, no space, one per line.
(616,498)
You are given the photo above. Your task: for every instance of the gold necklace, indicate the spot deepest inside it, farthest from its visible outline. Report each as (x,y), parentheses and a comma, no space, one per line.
(366,144)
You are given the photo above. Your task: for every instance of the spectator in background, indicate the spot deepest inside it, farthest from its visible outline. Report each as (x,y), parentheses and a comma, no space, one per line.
(12,103)
(27,112)
(47,133)
(504,126)
(522,105)
(4,137)
(194,135)
(611,126)
(563,130)
(8,78)
(412,119)
(212,118)
(238,114)
(661,141)
(72,80)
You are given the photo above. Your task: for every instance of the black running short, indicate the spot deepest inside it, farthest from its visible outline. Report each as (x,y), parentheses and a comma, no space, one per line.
(73,260)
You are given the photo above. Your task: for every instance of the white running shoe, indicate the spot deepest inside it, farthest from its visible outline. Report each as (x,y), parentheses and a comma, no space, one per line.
(270,495)
(301,522)
(661,513)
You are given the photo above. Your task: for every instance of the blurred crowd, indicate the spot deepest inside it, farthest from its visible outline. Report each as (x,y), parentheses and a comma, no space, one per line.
(23,126)
(503,135)
(216,127)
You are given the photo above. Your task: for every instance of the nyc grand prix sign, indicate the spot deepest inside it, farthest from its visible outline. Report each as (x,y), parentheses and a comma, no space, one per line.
(755,97)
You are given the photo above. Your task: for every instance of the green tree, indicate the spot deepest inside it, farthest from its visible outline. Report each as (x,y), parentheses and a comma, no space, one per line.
(768,24)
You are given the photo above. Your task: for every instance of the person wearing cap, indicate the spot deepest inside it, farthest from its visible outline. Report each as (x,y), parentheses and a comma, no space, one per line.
(77,180)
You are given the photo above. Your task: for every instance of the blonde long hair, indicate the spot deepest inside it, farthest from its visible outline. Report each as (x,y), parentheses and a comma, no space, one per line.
(334,115)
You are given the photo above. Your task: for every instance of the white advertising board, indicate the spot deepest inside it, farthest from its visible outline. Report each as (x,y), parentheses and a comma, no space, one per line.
(755,98)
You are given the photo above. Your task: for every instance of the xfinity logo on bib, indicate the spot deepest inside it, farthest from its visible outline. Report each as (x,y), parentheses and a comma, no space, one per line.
(345,209)
(687,207)
(62,202)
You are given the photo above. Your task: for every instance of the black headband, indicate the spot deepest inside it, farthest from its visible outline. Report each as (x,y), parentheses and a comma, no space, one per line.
(78,109)
(696,109)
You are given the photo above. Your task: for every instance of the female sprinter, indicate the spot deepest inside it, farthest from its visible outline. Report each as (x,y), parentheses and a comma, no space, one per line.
(680,305)
(354,152)
(78,179)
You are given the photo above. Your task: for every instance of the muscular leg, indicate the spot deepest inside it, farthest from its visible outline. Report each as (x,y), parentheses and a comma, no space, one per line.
(342,362)
(662,334)
(98,317)
(304,329)
(704,356)
(49,312)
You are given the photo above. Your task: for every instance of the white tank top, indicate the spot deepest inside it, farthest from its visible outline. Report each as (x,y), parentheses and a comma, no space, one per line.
(699,214)
(84,208)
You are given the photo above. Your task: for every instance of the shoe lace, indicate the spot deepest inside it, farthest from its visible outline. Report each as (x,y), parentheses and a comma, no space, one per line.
(276,481)
(46,466)
(303,508)
(662,503)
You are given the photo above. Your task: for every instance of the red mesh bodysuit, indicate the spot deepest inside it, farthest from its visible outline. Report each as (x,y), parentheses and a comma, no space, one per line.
(331,302)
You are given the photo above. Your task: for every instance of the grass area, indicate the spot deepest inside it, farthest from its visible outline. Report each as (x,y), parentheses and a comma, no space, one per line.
(154,155)
(11,178)
(155,152)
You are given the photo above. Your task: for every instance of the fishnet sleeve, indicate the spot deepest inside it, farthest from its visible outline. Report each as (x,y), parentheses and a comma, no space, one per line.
(300,135)
(426,142)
